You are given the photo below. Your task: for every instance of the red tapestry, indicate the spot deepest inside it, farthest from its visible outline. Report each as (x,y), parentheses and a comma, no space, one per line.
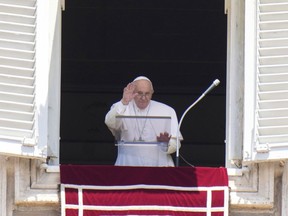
(117,190)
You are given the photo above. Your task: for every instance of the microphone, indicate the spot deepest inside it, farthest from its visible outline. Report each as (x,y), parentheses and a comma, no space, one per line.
(212,86)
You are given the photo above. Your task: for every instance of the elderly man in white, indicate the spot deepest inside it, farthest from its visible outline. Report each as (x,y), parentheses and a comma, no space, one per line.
(136,101)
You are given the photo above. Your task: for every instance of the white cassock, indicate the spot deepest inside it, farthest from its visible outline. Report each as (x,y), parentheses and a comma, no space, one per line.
(141,133)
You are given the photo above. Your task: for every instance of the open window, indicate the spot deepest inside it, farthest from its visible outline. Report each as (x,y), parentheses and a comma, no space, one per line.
(179,45)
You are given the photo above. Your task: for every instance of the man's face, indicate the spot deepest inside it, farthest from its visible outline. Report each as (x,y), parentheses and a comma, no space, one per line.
(145,91)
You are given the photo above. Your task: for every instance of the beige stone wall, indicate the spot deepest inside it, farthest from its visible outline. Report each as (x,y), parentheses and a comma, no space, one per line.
(27,189)
(268,195)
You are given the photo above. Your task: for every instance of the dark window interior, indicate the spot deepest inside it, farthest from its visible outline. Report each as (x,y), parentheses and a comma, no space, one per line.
(179,44)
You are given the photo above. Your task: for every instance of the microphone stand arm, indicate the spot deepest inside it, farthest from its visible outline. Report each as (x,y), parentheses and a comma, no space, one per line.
(179,126)
(214,84)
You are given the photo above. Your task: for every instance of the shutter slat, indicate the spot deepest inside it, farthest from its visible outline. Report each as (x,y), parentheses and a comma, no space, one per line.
(273,60)
(273,104)
(278,42)
(16,106)
(276,139)
(283,33)
(13,115)
(273,7)
(272,78)
(17,27)
(269,1)
(275,51)
(6,61)
(16,89)
(271,87)
(17,36)
(270,69)
(13,132)
(16,80)
(16,71)
(273,113)
(273,25)
(28,3)
(17,9)
(20,19)
(24,125)
(17,45)
(17,98)
(270,122)
(281,95)
(282,16)
(19,54)
(273,131)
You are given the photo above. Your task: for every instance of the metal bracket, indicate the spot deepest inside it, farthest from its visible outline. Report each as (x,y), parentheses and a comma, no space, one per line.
(262,148)
(29,142)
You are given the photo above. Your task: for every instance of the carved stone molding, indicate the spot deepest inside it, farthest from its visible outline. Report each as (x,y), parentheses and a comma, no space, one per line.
(34,186)
(254,189)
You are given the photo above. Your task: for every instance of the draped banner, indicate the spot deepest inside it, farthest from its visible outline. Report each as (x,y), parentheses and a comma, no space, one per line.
(88,190)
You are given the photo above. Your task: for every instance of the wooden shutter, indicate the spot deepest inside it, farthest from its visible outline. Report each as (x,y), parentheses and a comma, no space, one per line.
(271,124)
(18,118)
